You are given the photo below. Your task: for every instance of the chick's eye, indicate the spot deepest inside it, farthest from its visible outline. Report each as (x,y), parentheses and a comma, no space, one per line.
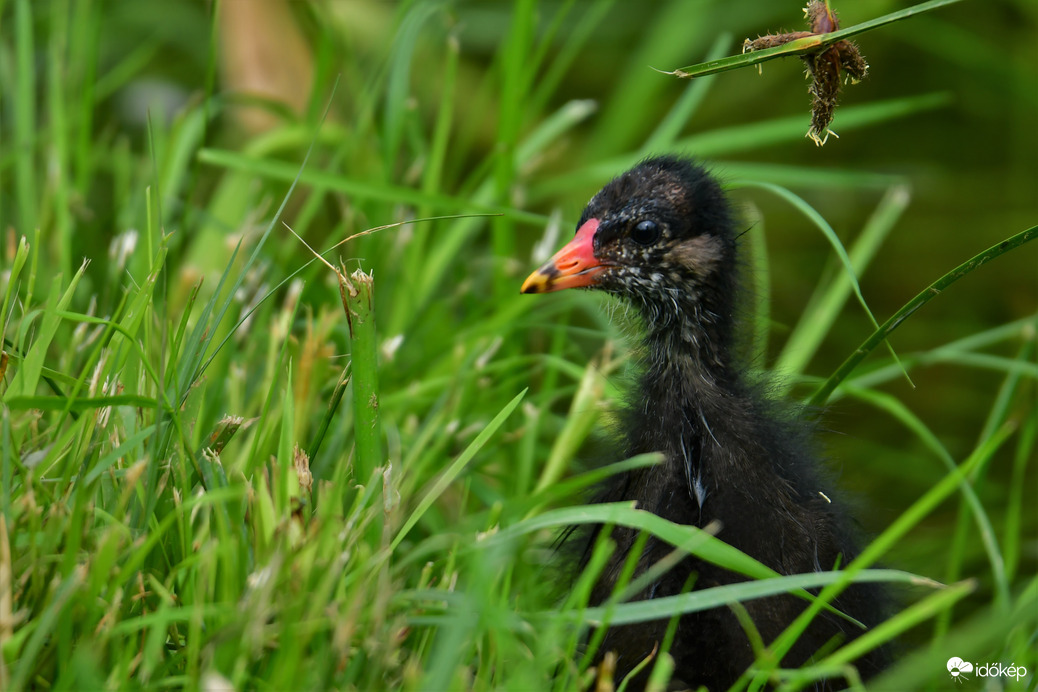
(645,232)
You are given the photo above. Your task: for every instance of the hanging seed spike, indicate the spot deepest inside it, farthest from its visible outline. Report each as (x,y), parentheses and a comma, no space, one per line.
(820,17)
(852,60)
(812,134)
(823,68)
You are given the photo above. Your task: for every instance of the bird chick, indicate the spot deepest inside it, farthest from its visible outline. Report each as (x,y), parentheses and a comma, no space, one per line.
(662,237)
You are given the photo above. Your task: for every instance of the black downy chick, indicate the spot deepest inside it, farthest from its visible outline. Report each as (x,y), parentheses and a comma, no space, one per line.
(662,237)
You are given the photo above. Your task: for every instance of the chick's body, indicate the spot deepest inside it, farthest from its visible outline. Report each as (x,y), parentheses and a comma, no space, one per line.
(662,237)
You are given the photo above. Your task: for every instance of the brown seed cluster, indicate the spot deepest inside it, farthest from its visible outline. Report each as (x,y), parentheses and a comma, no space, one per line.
(824,66)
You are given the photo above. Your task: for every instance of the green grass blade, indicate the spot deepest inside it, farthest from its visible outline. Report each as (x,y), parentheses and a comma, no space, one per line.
(721,596)
(724,141)
(277,170)
(25,120)
(358,300)
(983,522)
(809,44)
(663,137)
(28,375)
(822,394)
(835,664)
(882,543)
(452,471)
(823,309)
(841,253)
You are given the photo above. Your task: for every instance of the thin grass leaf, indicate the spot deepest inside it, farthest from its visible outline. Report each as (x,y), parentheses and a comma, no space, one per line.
(806,45)
(571,114)
(28,375)
(882,543)
(516,79)
(663,137)
(724,141)
(664,35)
(10,288)
(452,471)
(333,406)
(744,138)
(433,171)
(974,637)
(886,631)
(128,445)
(690,538)
(720,596)
(984,527)
(384,192)
(757,250)
(24,115)
(813,177)
(571,486)
(1013,538)
(1011,384)
(42,628)
(576,40)
(818,318)
(398,83)
(59,154)
(959,351)
(849,272)
(822,394)
(203,334)
(78,405)
(583,414)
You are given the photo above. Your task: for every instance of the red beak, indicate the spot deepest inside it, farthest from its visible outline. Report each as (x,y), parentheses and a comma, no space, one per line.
(574,266)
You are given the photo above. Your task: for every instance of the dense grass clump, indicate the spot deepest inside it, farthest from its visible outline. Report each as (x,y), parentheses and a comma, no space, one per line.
(224,461)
